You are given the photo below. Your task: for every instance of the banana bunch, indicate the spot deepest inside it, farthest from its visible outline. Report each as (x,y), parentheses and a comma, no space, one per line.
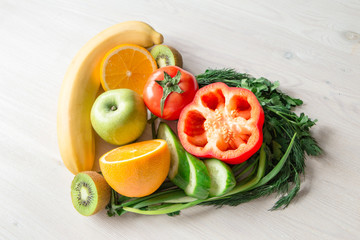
(80,87)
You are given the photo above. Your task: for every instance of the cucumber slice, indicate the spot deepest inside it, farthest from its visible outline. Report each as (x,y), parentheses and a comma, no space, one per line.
(199,184)
(179,172)
(222,178)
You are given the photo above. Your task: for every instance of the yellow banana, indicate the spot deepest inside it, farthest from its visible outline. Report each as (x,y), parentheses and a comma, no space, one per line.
(80,87)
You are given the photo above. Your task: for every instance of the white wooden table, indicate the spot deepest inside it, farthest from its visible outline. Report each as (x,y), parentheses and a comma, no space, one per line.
(311,47)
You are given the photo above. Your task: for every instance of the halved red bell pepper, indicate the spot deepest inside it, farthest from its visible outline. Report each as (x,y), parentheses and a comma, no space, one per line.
(222,122)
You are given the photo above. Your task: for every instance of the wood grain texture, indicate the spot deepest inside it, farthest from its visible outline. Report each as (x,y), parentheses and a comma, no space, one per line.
(311,46)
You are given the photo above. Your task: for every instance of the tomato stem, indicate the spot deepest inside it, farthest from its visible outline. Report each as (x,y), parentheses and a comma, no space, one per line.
(169,85)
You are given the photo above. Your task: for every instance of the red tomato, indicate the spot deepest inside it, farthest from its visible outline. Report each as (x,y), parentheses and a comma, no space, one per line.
(175,86)
(222,122)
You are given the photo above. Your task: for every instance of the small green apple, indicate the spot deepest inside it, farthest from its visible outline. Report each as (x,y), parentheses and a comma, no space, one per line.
(119,116)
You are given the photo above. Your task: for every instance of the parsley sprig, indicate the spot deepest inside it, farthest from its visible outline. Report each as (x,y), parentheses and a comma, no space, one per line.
(275,168)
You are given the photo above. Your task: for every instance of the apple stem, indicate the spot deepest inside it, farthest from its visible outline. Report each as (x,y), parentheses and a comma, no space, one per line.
(113,108)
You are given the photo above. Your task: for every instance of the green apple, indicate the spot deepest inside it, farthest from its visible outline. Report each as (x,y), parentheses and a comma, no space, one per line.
(119,116)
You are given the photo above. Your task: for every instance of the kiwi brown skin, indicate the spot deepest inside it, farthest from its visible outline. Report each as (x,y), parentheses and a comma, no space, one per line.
(100,191)
(160,52)
(177,56)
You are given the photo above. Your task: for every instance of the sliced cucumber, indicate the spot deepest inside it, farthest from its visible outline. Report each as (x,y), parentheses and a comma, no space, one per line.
(199,184)
(222,178)
(179,172)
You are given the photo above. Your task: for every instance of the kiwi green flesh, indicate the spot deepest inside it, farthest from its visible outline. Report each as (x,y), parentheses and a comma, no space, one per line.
(166,56)
(164,60)
(89,193)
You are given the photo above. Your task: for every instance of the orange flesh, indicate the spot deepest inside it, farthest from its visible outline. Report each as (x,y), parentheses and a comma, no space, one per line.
(132,151)
(137,169)
(127,67)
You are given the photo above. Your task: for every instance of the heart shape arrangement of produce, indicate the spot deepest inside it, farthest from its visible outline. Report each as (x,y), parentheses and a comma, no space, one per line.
(237,139)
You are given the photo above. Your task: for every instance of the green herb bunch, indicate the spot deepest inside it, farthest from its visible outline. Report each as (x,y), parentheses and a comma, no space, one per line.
(275,168)
(281,123)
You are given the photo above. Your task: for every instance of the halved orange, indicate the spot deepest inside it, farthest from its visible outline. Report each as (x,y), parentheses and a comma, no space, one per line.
(126,66)
(137,169)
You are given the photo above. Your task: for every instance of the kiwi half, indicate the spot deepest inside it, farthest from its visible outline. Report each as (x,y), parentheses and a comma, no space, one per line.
(166,56)
(89,192)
